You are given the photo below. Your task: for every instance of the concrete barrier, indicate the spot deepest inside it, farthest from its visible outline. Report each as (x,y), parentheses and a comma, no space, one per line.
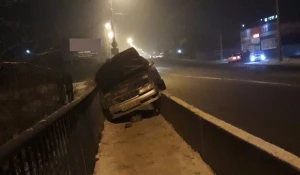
(225,66)
(227,149)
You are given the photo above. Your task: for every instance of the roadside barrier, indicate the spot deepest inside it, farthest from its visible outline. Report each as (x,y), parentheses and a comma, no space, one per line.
(227,149)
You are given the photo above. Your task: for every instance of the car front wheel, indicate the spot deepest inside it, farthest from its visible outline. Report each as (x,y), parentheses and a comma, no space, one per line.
(161,85)
(107,114)
(157,107)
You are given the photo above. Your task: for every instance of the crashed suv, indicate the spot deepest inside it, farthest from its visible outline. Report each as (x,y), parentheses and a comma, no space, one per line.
(127,83)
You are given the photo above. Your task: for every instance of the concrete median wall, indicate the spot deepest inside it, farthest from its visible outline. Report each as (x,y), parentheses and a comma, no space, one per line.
(227,149)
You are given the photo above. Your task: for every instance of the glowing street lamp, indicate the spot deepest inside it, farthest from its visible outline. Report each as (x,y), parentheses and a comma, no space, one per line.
(111,35)
(108,26)
(130,41)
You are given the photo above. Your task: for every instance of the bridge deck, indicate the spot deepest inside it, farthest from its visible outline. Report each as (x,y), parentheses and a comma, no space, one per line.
(149,147)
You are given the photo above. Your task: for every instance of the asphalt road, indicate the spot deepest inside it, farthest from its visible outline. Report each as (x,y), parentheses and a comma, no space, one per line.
(263,102)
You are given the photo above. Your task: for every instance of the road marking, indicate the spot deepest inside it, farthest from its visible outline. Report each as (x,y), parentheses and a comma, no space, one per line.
(162,69)
(208,78)
(238,80)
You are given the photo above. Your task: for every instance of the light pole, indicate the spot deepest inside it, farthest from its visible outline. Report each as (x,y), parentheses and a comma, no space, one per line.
(108,26)
(278,32)
(114,43)
(108,35)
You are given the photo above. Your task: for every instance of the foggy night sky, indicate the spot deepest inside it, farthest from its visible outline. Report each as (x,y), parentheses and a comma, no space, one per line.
(153,22)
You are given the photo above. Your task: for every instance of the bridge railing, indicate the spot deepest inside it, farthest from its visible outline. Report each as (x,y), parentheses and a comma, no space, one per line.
(64,143)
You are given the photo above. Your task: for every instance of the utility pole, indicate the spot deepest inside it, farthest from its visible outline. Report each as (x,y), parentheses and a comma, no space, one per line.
(279,49)
(221,46)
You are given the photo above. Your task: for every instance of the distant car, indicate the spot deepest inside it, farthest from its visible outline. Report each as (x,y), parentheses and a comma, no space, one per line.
(127,83)
(257,56)
(235,58)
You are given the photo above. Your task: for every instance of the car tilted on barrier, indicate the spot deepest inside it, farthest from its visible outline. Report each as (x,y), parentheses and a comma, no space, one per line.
(128,82)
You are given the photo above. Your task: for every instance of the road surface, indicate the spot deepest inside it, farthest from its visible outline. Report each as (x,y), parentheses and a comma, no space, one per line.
(265,103)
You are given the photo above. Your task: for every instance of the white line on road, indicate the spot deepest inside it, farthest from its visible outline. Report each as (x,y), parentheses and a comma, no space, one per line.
(238,80)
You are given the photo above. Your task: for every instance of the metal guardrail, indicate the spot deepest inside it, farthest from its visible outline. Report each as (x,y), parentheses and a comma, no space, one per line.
(64,143)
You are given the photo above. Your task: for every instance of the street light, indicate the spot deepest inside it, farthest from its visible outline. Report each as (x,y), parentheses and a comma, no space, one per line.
(130,41)
(111,35)
(28,51)
(179,51)
(108,26)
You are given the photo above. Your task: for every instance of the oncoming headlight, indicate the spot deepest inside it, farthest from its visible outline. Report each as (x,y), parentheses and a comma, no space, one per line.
(146,88)
(263,57)
(252,58)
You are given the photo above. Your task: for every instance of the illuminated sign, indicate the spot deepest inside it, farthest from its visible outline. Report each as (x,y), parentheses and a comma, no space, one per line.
(271,18)
(256,35)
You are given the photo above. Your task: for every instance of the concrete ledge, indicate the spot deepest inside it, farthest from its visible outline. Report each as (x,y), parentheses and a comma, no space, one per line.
(227,149)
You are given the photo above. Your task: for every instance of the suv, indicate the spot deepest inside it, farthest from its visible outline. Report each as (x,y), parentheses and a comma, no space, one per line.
(257,56)
(127,83)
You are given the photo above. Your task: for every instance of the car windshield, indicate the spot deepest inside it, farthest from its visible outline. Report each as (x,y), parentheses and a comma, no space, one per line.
(258,53)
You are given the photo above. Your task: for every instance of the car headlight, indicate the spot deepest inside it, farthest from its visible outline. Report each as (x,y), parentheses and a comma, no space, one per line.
(263,57)
(146,88)
(252,58)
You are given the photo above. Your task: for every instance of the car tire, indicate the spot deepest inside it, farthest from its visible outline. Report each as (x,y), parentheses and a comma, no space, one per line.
(157,107)
(161,85)
(107,115)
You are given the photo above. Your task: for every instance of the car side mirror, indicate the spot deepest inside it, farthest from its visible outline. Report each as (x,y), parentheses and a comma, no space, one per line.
(151,63)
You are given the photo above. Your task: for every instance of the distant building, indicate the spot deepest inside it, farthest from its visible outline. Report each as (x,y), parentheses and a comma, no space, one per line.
(264,38)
